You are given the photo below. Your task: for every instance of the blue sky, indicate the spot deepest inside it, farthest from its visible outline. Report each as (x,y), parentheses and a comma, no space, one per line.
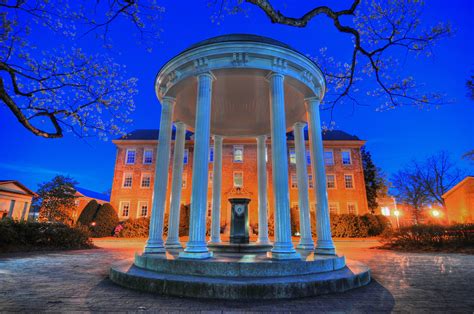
(393,137)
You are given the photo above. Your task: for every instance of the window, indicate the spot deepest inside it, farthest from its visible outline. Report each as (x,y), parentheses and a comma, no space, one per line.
(331,181)
(185,180)
(352,208)
(185,158)
(130,156)
(146,180)
(211,179)
(238,179)
(124,209)
(349,181)
(295,205)
(127,180)
(333,208)
(266,153)
(308,157)
(294,181)
(143,209)
(147,156)
(346,157)
(238,153)
(310,181)
(211,154)
(292,156)
(312,207)
(328,157)
(209,209)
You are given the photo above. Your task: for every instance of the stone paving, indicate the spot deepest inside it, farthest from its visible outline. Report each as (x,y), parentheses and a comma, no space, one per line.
(78,281)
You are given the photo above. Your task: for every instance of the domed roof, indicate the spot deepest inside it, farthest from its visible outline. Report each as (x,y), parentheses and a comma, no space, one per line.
(240,37)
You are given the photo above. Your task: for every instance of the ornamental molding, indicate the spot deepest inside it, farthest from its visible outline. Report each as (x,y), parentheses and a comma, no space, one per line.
(240,59)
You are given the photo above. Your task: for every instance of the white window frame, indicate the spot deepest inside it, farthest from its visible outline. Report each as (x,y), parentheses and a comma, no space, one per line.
(141,180)
(295,205)
(327,181)
(310,181)
(337,207)
(236,147)
(233,179)
(123,180)
(353,183)
(293,181)
(313,207)
(186,156)
(144,155)
(211,153)
(342,157)
(121,209)
(292,151)
(332,154)
(139,209)
(184,181)
(209,209)
(134,157)
(356,209)
(210,178)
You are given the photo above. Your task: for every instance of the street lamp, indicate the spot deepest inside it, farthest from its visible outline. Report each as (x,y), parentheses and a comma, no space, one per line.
(396,212)
(435,213)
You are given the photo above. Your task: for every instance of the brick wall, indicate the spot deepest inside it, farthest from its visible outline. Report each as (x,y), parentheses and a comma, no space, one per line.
(137,196)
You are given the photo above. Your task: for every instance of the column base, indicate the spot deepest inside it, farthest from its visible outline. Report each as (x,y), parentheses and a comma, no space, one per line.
(305,246)
(211,242)
(263,241)
(173,245)
(195,255)
(154,247)
(284,255)
(325,251)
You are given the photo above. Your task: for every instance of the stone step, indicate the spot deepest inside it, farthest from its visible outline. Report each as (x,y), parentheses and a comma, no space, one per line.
(354,275)
(239,265)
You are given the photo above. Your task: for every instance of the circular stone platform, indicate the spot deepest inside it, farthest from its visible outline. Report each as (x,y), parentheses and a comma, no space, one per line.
(240,276)
(226,247)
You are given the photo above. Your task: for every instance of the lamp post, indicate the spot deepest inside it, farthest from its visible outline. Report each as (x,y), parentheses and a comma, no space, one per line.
(396,212)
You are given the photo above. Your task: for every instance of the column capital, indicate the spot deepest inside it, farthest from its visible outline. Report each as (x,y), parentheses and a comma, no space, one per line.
(262,137)
(207,73)
(180,124)
(313,99)
(299,125)
(272,74)
(217,138)
(169,100)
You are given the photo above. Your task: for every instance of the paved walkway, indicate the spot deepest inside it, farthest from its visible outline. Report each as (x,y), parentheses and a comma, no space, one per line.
(77,281)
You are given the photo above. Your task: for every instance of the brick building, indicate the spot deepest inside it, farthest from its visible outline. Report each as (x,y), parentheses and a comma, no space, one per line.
(133,181)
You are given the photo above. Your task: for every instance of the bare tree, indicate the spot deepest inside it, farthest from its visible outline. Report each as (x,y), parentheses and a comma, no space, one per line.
(410,190)
(62,89)
(379,30)
(438,174)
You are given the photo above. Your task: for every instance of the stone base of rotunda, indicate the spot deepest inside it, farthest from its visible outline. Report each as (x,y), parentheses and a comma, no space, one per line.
(226,247)
(240,276)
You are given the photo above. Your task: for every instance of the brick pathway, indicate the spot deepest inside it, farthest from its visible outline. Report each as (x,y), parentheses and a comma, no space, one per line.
(77,281)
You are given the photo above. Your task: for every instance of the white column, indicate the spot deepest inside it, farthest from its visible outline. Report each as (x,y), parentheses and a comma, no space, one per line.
(324,244)
(306,239)
(216,190)
(262,190)
(155,237)
(172,241)
(197,247)
(282,246)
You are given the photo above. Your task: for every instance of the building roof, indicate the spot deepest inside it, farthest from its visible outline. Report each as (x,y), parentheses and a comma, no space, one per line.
(457,186)
(92,194)
(152,134)
(20,185)
(240,37)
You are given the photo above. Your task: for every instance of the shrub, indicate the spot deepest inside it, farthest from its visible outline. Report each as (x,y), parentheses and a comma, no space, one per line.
(348,226)
(135,228)
(26,236)
(431,237)
(88,213)
(376,224)
(105,220)
(295,220)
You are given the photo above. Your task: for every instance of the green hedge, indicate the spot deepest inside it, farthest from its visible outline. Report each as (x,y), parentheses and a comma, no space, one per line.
(431,237)
(28,236)
(354,226)
(88,213)
(105,221)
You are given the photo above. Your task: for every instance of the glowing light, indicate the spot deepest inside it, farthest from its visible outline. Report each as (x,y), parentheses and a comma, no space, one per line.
(435,213)
(385,211)
(93,224)
(396,213)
